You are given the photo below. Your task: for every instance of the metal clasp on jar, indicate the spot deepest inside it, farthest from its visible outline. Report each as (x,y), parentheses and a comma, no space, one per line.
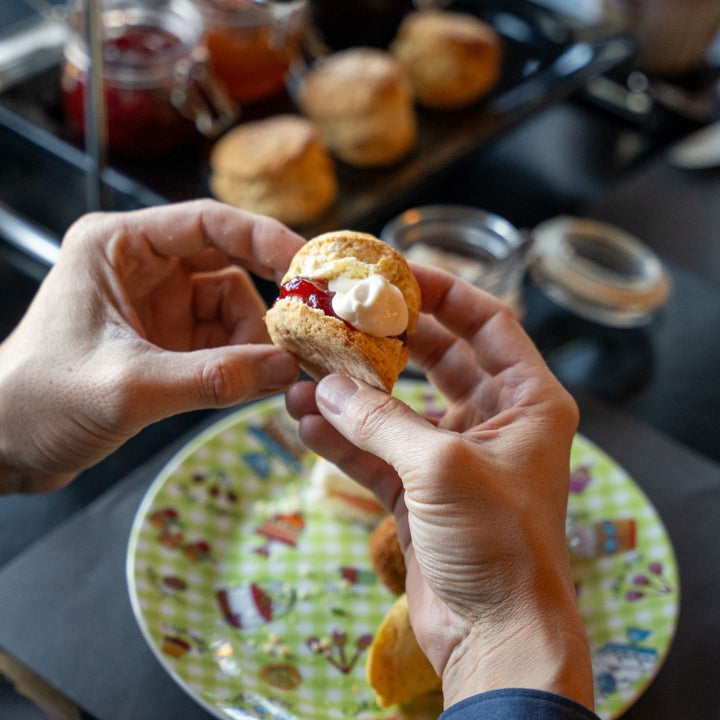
(198,96)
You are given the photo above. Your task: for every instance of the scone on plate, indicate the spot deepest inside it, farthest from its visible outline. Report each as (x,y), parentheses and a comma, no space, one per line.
(347,304)
(336,491)
(277,167)
(396,668)
(452,59)
(361,103)
(386,555)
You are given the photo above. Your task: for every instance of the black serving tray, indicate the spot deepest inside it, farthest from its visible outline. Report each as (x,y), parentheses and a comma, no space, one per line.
(546,58)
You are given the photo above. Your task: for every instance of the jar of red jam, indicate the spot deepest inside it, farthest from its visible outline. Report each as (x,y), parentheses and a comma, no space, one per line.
(251,43)
(158,92)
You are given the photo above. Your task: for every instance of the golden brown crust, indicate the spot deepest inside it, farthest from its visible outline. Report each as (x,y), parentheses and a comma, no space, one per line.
(396,668)
(353,82)
(451,58)
(277,167)
(386,555)
(263,147)
(361,103)
(324,344)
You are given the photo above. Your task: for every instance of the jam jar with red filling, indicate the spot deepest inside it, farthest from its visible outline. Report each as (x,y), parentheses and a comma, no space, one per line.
(157,90)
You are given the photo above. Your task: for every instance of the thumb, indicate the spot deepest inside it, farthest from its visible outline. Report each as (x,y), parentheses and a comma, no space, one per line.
(375,421)
(175,382)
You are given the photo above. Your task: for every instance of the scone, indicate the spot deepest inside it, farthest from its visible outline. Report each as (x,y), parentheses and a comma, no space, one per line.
(347,304)
(396,668)
(277,167)
(386,555)
(336,491)
(452,59)
(361,103)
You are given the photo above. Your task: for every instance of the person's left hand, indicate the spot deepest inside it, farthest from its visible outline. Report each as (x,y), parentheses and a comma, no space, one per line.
(145,315)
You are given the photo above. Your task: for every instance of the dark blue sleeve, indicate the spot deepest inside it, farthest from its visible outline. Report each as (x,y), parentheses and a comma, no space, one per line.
(517,704)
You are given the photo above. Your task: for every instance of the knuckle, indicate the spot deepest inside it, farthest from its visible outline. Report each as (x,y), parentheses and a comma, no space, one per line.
(453,451)
(123,398)
(220,386)
(84,229)
(566,412)
(374,419)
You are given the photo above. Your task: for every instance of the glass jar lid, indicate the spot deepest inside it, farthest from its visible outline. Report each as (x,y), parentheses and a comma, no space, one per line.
(598,271)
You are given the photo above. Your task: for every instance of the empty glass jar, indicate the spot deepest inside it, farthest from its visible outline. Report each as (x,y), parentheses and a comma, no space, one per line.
(478,246)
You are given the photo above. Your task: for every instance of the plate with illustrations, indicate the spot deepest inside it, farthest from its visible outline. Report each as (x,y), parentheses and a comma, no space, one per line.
(260,601)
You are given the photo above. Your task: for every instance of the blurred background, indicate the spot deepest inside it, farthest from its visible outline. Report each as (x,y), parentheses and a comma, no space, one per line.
(593,102)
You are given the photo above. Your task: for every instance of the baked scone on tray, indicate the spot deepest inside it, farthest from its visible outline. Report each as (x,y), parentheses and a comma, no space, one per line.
(347,304)
(361,102)
(277,166)
(451,58)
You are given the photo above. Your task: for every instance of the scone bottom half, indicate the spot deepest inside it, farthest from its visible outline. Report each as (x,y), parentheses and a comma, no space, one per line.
(325,343)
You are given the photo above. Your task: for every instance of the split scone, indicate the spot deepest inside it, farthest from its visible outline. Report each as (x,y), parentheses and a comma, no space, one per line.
(347,304)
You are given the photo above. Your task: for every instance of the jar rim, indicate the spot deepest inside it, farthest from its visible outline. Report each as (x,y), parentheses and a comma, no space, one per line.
(457,225)
(598,271)
(252,14)
(178,17)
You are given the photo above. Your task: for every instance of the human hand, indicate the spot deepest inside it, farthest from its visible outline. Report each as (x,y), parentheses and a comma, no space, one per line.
(145,314)
(480,499)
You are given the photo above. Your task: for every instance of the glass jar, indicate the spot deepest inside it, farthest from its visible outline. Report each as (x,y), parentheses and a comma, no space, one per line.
(251,43)
(673,36)
(477,246)
(158,92)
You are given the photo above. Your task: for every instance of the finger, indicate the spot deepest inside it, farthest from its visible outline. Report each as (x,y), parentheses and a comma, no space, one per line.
(260,243)
(300,399)
(451,365)
(369,470)
(377,423)
(160,383)
(229,300)
(38,484)
(483,321)
(321,437)
(448,361)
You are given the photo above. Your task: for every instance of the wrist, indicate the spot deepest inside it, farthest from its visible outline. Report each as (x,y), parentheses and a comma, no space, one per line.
(18,473)
(543,647)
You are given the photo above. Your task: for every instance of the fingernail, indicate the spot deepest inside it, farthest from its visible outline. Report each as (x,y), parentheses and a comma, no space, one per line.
(333,393)
(277,370)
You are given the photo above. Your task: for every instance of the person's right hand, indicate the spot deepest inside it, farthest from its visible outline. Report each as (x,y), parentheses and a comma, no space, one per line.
(480,499)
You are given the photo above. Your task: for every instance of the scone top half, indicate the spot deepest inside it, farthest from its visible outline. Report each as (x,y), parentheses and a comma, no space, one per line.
(372,282)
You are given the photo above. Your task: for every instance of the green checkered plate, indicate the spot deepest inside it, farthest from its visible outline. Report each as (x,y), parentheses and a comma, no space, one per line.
(260,601)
